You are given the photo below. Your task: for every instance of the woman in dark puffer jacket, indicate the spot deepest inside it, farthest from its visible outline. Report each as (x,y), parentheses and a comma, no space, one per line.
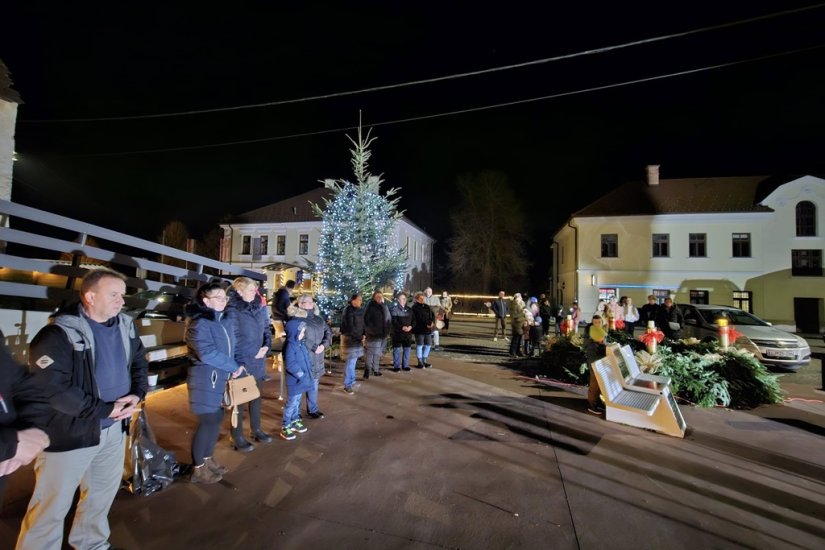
(210,336)
(253,338)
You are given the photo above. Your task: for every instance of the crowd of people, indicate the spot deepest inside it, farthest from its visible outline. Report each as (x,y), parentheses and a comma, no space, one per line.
(621,314)
(365,330)
(87,376)
(529,321)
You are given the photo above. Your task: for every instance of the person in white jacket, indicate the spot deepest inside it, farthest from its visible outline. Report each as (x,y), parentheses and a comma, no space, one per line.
(631,314)
(435,304)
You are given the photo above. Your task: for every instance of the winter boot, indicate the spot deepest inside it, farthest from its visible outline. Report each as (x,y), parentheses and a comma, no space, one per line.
(202,474)
(214,467)
(239,442)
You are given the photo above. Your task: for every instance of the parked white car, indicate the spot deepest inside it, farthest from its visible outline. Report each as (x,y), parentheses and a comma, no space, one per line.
(772,346)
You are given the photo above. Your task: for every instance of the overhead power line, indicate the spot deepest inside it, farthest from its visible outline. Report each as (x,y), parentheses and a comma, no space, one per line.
(438,78)
(463,111)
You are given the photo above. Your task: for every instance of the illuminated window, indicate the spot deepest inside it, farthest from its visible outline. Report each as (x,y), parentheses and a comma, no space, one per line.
(280,245)
(607,293)
(743,299)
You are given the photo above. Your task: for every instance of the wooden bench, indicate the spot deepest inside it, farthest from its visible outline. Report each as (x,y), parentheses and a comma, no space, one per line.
(650,409)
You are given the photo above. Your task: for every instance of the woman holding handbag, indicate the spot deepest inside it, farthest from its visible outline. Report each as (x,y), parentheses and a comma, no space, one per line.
(210,337)
(253,338)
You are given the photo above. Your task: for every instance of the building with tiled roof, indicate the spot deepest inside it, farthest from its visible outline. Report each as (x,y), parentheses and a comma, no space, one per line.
(282,239)
(750,242)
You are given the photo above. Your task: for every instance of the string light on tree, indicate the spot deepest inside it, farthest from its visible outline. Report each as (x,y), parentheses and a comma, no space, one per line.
(359,249)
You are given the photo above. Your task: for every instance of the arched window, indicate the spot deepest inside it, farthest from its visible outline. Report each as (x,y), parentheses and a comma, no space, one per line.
(805,219)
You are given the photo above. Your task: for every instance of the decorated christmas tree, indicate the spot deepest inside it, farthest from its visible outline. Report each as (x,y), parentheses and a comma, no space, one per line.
(359,246)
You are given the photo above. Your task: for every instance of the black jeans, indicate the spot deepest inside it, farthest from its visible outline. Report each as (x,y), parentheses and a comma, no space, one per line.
(515,343)
(206,436)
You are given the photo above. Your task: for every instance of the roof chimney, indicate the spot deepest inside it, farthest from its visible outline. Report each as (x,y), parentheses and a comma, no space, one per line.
(653,174)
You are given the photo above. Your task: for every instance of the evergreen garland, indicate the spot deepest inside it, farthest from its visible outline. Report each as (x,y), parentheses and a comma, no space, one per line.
(700,372)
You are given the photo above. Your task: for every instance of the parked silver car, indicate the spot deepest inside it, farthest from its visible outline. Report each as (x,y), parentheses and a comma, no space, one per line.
(769,344)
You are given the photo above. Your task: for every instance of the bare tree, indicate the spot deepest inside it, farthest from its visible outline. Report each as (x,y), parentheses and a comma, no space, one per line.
(487,249)
(174,234)
(82,259)
(210,244)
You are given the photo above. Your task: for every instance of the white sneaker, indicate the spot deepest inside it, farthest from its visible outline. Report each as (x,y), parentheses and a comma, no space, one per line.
(495,339)
(506,339)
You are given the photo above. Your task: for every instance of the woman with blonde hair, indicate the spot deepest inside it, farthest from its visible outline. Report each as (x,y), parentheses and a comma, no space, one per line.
(253,339)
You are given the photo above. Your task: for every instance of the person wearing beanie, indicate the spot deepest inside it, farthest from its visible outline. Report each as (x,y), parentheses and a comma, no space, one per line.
(298,372)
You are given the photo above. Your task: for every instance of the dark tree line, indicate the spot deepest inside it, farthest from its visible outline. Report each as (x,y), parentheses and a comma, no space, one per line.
(487,249)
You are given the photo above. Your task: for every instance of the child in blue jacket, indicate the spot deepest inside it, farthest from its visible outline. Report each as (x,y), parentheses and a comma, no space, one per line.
(298,367)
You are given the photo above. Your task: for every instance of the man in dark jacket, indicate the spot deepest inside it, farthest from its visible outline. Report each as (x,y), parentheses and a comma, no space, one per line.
(19,443)
(546,312)
(670,320)
(423,326)
(352,338)
(377,328)
(281,302)
(317,339)
(500,308)
(90,372)
(649,312)
(402,335)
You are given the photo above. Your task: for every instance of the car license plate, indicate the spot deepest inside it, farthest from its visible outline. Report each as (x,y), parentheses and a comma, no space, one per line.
(780,353)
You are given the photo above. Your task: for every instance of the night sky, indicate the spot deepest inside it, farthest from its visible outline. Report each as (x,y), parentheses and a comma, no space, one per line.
(763,117)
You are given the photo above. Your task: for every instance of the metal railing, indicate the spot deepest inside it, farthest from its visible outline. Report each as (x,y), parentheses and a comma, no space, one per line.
(52,280)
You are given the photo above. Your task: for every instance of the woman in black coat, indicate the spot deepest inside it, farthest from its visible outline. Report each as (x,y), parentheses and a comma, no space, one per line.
(253,339)
(423,325)
(402,334)
(210,337)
